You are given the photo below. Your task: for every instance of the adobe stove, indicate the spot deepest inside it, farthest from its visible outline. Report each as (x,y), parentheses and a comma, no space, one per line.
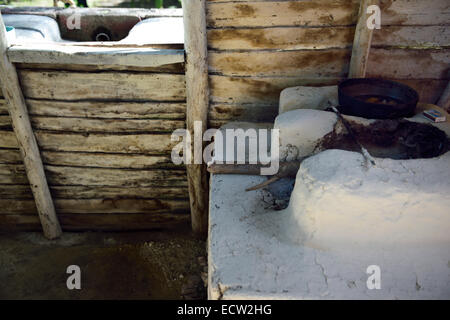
(351,229)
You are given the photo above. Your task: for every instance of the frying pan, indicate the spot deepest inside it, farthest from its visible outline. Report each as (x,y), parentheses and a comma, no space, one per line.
(373,98)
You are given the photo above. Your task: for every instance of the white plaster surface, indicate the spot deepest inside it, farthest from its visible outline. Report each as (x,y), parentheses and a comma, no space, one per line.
(304,97)
(342,218)
(301,130)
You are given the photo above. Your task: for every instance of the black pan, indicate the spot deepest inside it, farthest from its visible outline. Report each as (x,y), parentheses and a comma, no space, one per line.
(376,99)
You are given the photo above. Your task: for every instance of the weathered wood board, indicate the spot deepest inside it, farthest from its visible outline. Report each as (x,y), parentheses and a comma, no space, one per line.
(117,86)
(312,64)
(332,63)
(281,13)
(87,55)
(408,64)
(261,90)
(98,222)
(106,206)
(107,110)
(298,38)
(107,160)
(321,13)
(97,192)
(105,125)
(169,68)
(221,113)
(109,143)
(13,174)
(59,175)
(101,126)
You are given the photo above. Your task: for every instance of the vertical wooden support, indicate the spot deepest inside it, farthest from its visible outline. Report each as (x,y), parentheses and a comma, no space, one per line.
(361,42)
(27,141)
(197,100)
(444,101)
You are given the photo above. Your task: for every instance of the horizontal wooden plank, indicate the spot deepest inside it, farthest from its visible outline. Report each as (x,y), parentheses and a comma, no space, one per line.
(13,174)
(222,113)
(5,122)
(331,63)
(100,160)
(281,13)
(107,110)
(429,90)
(104,125)
(109,143)
(257,90)
(64,85)
(85,55)
(408,64)
(11,156)
(97,192)
(106,206)
(284,38)
(98,222)
(64,175)
(3,107)
(59,175)
(412,36)
(15,191)
(8,139)
(170,68)
(414,12)
(297,38)
(266,91)
(105,160)
(322,13)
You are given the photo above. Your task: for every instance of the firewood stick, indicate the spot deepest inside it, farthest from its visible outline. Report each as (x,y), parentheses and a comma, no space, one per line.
(264,184)
(364,151)
(286,169)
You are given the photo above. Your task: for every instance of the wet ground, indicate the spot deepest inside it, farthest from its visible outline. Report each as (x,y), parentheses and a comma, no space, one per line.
(138,265)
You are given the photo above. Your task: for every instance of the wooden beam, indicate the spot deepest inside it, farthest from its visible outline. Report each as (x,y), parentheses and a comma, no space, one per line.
(197,102)
(444,101)
(361,42)
(136,57)
(27,142)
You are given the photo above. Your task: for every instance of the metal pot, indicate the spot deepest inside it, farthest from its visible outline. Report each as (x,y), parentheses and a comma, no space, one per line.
(376,98)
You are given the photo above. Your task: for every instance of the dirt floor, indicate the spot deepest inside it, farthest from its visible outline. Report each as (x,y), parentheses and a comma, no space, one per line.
(138,265)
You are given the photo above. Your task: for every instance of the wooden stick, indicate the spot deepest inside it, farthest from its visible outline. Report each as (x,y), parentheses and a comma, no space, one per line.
(444,101)
(286,169)
(347,126)
(361,42)
(197,103)
(27,141)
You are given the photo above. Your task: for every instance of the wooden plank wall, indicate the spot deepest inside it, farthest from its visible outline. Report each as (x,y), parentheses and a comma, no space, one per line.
(104,134)
(257,48)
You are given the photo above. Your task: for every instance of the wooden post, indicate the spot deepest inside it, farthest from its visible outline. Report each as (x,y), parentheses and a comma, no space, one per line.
(27,141)
(361,42)
(197,100)
(444,101)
